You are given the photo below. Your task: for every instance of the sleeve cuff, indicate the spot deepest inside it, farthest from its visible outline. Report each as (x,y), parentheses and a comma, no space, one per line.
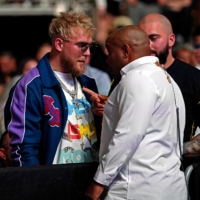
(102,178)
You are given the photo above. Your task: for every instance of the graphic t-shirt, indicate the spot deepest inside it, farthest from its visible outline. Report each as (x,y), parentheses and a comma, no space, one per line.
(78,143)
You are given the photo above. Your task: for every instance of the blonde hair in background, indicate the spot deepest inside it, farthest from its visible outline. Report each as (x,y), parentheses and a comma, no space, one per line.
(64,24)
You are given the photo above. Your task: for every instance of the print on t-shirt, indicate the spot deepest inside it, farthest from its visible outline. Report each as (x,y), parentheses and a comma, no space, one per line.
(78,143)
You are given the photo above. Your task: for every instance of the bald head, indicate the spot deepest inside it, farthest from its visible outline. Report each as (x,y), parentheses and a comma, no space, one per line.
(161,37)
(132,36)
(125,45)
(156,18)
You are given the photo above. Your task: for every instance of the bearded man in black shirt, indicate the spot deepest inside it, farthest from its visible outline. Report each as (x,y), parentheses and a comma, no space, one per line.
(162,39)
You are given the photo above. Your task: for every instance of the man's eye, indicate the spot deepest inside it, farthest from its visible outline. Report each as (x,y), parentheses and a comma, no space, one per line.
(82,44)
(153,38)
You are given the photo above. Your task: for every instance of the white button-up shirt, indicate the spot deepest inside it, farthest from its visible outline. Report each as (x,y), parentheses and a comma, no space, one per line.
(139,152)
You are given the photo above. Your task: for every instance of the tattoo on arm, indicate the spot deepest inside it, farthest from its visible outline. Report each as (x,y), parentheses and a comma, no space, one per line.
(192,147)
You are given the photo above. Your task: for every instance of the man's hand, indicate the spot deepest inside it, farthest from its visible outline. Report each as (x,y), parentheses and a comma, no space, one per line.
(98,102)
(94,191)
(192,148)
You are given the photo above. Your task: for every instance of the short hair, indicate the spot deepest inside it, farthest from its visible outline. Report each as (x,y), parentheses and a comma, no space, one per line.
(64,24)
(23,62)
(7,53)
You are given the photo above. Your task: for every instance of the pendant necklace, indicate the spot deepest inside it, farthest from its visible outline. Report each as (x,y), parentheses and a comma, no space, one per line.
(72,93)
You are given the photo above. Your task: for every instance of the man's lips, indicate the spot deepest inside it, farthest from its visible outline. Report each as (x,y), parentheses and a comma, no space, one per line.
(81,61)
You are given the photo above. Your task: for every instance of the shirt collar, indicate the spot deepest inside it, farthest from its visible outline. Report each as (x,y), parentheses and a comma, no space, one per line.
(137,62)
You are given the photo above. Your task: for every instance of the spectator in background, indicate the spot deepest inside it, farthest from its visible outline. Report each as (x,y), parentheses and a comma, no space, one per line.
(42,50)
(178,13)
(137,9)
(102,78)
(26,65)
(121,21)
(185,53)
(5,148)
(8,68)
(51,122)
(196,43)
(195,13)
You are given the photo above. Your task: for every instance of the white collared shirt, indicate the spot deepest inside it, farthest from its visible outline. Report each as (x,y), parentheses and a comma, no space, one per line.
(139,153)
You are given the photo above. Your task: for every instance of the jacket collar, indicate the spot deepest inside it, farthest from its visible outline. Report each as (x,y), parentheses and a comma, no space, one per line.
(47,76)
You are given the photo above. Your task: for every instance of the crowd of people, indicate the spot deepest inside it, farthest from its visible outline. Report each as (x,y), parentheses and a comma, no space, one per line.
(143,128)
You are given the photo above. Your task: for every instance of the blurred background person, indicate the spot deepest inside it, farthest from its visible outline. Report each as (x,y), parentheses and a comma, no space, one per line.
(26,65)
(8,68)
(185,53)
(5,148)
(196,43)
(137,9)
(102,79)
(179,14)
(42,50)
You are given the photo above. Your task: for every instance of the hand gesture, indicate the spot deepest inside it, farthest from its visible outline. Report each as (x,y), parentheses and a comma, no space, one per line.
(98,101)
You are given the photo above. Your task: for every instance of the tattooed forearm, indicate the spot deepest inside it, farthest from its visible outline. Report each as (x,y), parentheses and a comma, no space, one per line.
(192,148)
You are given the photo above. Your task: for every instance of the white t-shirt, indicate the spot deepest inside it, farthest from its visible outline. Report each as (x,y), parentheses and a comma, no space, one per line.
(77,144)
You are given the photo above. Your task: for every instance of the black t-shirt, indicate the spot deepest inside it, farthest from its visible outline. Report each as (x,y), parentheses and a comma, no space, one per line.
(187,78)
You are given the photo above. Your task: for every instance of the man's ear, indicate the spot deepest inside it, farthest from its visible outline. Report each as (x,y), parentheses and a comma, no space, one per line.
(3,153)
(171,39)
(125,50)
(58,43)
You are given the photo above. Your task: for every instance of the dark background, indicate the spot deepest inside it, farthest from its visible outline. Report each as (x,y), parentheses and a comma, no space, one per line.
(23,34)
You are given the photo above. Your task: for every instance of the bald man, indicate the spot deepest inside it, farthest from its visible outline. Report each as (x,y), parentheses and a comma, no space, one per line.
(162,39)
(139,152)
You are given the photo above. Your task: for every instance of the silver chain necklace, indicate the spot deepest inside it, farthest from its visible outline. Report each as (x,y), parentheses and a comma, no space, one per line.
(72,93)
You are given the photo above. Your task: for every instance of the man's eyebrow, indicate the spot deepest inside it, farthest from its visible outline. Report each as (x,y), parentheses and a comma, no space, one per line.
(153,34)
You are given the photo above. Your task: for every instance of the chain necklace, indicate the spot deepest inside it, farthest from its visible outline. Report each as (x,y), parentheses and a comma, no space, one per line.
(72,93)
(78,117)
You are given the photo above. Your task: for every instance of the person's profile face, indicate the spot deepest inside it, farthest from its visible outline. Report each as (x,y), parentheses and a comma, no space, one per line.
(74,55)
(114,58)
(158,41)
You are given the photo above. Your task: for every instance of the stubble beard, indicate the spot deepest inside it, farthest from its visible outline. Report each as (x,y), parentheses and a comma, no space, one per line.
(73,68)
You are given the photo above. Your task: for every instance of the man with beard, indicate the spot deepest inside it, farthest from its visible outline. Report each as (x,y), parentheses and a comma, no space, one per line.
(162,39)
(139,153)
(47,115)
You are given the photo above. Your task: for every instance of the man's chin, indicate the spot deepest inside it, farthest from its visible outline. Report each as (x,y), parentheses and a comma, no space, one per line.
(79,71)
